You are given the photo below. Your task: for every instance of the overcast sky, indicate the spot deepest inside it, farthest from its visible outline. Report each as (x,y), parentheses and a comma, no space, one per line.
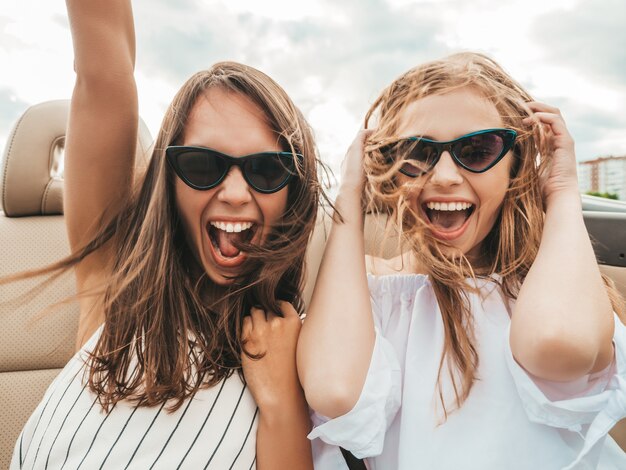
(333,57)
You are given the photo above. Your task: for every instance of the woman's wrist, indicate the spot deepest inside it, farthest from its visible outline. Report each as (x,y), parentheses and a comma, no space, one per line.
(565,198)
(349,189)
(349,202)
(283,408)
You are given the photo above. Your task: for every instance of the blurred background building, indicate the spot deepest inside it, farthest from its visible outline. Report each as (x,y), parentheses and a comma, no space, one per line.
(603,175)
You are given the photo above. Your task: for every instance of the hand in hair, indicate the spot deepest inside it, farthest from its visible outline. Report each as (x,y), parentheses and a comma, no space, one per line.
(275,338)
(558,147)
(273,381)
(352,174)
(562,324)
(338,336)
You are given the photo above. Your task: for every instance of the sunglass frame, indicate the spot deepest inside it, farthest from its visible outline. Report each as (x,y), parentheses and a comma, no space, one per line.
(173,152)
(508,138)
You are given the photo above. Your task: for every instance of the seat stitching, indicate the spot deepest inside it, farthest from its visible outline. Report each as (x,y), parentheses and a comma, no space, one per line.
(6,163)
(44,199)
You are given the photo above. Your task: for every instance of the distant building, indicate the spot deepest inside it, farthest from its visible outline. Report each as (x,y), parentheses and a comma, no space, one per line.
(604,175)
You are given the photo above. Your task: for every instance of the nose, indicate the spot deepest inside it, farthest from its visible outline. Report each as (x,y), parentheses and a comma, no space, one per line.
(234,190)
(446,172)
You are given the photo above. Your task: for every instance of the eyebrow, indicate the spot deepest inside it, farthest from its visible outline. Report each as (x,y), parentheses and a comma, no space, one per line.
(418,136)
(235,156)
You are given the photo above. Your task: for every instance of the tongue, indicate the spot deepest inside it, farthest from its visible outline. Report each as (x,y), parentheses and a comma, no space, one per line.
(447,220)
(225,242)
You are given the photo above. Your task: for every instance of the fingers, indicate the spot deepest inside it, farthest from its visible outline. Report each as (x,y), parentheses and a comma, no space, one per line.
(289,312)
(246,328)
(555,141)
(287,309)
(254,320)
(260,319)
(363,134)
(536,106)
(356,147)
(258,316)
(549,116)
(352,173)
(554,121)
(358,143)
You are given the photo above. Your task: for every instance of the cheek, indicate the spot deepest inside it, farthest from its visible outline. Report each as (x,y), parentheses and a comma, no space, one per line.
(189,204)
(411,190)
(492,198)
(273,206)
(494,184)
(184,202)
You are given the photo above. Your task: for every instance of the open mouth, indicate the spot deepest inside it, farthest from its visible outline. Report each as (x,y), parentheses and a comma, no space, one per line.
(448,219)
(225,236)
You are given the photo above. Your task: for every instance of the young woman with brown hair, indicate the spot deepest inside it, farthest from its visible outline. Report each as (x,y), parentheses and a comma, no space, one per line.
(189,280)
(490,341)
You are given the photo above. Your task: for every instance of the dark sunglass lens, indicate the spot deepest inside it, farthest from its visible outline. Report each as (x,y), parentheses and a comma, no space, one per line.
(479,151)
(201,168)
(269,171)
(419,156)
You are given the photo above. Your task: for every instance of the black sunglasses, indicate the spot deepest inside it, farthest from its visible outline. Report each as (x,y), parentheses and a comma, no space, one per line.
(476,152)
(202,168)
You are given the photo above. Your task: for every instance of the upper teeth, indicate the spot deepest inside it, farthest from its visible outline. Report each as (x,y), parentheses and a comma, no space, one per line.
(448,206)
(232,227)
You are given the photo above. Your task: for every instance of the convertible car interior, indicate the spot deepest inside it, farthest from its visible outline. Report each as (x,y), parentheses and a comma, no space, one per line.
(37,323)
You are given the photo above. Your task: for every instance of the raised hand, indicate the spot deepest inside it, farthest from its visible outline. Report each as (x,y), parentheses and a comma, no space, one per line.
(560,177)
(352,174)
(338,336)
(562,323)
(273,381)
(274,375)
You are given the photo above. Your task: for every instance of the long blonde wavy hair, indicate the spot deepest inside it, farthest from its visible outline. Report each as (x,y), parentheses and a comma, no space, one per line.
(511,246)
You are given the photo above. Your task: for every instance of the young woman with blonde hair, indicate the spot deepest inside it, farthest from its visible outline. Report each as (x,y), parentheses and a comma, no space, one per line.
(189,281)
(490,342)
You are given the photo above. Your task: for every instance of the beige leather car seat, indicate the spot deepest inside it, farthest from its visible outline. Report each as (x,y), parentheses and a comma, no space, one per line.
(32,235)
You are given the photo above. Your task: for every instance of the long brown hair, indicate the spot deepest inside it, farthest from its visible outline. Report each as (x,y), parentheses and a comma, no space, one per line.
(511,246)
(168,329)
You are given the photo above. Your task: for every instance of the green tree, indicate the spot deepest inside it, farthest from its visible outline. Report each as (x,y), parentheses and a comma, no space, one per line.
(606,195)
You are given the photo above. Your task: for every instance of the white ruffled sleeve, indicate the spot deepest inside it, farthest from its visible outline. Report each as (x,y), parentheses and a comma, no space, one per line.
(362,430)
(590,406)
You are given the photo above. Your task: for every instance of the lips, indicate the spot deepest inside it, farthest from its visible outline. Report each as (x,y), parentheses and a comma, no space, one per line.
(224,237)
(448,219)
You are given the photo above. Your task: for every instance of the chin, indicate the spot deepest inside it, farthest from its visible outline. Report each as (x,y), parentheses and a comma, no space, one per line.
(452,252)
(221,279)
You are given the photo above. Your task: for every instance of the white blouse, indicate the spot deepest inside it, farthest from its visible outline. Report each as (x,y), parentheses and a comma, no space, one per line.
(216,429)
(509,421)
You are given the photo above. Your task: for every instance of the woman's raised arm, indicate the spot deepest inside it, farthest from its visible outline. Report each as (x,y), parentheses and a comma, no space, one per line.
(562,323)
(101,136)
(337,338)
(102,130)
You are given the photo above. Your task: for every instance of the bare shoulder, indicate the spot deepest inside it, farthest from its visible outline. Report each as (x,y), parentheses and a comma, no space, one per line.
(402,264)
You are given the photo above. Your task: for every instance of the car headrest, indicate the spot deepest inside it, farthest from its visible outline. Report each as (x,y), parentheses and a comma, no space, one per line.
(31,182)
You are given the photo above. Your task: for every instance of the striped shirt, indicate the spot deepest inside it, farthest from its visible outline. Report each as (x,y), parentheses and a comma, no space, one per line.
(216,429)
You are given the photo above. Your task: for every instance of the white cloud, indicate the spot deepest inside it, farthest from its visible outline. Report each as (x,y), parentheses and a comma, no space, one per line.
(278,10)
(335,128)
(333,58)
(613,143)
